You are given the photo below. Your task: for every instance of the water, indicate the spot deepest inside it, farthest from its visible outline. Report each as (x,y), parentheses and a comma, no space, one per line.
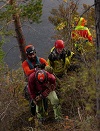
(39,35)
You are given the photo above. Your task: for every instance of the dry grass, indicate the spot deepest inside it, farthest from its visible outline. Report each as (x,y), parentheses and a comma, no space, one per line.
(15,113)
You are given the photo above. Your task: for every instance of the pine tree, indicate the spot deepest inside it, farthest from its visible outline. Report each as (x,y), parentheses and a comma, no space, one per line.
(17,12)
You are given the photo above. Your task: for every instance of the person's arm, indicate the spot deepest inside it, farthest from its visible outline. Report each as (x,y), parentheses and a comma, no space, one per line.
(31,89)
(89,36)
(26,68)
(51,85)
(31,86)
(43,61)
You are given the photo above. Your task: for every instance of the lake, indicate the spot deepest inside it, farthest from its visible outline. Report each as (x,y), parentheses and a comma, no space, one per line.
(39,35)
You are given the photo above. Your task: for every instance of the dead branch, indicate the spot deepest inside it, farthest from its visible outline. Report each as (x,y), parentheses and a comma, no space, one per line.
(4,5)
(3,114)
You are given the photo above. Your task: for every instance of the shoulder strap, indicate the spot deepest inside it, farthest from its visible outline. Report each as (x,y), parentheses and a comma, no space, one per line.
(53,50)
(52,55)
(37,60)
(31,66)
(64,55)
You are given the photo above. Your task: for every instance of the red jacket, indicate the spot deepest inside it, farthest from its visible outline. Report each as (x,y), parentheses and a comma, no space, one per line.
(34,87)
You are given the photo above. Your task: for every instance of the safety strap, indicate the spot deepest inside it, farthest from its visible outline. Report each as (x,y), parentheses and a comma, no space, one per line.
(31,66)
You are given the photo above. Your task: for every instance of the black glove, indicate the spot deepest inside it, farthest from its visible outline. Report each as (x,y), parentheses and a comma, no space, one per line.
(68,52)
(33,103)
(36,65)
(42,66)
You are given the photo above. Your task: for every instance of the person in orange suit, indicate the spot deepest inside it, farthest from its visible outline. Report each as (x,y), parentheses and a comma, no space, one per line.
(32,61)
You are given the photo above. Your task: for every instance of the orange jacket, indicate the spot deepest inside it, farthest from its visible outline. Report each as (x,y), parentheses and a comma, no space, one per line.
(27,69)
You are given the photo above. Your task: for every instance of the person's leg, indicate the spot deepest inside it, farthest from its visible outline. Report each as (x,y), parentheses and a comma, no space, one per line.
(39,109)
(56,105)
(32,108)
(45,104)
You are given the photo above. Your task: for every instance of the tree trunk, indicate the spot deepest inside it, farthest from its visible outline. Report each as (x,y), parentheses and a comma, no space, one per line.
(19,32)
(97,12)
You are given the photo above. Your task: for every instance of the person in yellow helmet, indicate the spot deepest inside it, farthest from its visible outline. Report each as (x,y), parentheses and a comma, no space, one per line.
(81,34)
(59,58)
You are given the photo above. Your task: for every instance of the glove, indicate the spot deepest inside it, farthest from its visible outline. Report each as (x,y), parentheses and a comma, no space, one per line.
(42,66)
(33,102)
(36,65)
(68,52)
(38,98)
(49,69)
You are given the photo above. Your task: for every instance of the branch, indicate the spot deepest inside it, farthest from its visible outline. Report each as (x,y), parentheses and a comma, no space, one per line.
(7,24)
(86,10)
(79,114)
(2,115)
(75,6)
(30,27)
(9,50)
(4,5)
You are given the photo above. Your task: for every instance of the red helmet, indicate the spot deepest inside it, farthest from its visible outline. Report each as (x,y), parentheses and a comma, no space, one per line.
(29,49)
(59,44)
(41,76)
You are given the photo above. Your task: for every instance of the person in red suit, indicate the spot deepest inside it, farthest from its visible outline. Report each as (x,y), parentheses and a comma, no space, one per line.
(42,85)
